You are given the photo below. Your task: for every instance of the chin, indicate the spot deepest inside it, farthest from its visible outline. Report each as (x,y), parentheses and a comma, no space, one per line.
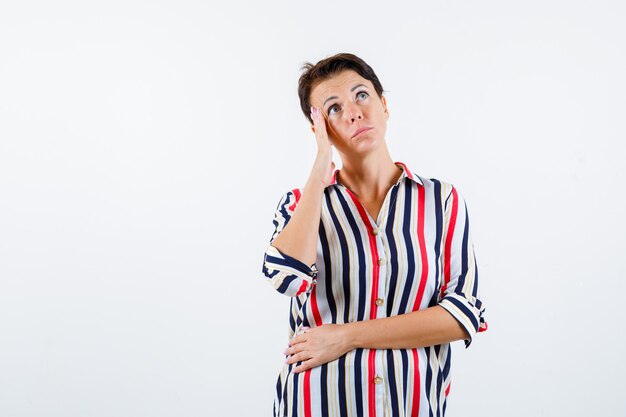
(370,136)
(366,144)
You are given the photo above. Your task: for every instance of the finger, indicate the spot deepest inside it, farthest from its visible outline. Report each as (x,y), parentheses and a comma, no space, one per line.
(319,123)
(302,337)
(298,357)
(291,350)
(297,340)
(304,366)
(294,341)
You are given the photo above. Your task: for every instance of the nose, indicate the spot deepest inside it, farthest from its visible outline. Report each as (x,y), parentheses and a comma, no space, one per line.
(354,112)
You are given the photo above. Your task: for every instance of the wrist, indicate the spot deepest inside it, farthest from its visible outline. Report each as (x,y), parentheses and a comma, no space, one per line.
(316,183)
(350,336)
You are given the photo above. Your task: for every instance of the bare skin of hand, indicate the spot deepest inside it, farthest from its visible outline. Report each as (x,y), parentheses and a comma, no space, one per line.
(317,346)
(324,167)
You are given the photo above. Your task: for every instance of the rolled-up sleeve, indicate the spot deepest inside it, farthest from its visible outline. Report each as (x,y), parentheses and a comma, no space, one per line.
(459,293)
(287,275)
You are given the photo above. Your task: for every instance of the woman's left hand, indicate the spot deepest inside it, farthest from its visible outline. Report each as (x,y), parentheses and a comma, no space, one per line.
(318,345)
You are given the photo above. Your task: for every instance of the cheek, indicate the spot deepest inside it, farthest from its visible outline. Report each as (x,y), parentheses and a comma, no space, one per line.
(338,129)
(331,129)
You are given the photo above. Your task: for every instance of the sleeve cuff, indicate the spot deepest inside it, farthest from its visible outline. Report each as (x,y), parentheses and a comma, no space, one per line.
(288,275)
(470,317)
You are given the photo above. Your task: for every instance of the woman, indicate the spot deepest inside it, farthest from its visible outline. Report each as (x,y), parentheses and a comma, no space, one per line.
(378,260)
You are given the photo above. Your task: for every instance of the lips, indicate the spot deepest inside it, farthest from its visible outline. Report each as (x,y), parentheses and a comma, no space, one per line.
(360,130)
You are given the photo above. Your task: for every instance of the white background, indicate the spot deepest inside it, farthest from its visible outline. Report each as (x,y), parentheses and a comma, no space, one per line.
(144,147)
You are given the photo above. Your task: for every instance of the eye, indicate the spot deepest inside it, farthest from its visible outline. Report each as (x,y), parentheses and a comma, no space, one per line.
(362,94)
(330,109)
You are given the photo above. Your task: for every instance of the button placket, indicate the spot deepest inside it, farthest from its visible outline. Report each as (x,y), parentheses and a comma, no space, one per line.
(379,383)
(381,263)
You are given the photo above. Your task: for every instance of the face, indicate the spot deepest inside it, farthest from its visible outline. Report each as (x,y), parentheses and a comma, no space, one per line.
(349,103)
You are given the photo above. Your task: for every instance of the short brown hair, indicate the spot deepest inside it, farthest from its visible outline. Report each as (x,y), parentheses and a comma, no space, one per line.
(327,67)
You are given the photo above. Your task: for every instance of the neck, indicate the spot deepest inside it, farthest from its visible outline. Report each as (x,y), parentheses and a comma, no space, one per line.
(369,178)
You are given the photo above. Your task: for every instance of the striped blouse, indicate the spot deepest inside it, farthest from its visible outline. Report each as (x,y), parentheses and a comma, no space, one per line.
(418,253)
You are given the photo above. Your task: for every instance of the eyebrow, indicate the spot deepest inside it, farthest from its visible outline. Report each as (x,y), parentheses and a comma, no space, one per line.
(352,89)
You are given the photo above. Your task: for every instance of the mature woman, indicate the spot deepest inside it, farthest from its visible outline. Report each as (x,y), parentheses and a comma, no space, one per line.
(378,260)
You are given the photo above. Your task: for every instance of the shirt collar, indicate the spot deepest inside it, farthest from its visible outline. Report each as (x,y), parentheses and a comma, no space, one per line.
(406,172)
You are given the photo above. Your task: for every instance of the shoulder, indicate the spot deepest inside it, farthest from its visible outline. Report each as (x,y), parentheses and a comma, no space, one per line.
(437,185)
(443,190)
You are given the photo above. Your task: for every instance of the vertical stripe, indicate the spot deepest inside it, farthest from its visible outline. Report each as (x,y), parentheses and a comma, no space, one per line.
(307,393)
(448,255)
(391,377)
(371,370)
(295,393)
(429,375)
(438,231)
(278,391)
(393,254)
(410,244)
(341,388)
(328,274)
(464,257)
(415,397)
(324,390)
(405,380)
(422,246)
(316,313)
(358,378)
(286,394)
(439,384)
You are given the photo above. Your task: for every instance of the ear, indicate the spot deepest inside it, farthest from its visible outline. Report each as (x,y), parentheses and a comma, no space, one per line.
(384,100)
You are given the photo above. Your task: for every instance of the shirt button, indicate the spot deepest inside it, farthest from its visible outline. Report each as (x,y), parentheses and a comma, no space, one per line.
(378,380)
(375,231)
(381,261)
(379,301)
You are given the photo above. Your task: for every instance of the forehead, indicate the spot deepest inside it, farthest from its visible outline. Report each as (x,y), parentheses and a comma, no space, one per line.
(335,85)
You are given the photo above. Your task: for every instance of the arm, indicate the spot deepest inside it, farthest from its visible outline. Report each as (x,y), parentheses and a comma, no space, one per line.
(293,245)
(431,326)
(322,344)
(289,260)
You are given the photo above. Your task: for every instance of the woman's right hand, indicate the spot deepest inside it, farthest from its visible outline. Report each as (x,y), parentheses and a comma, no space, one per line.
(324,167)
